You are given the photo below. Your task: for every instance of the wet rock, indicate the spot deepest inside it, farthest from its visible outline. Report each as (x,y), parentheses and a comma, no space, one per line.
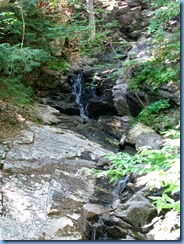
(115,125)
(116,231)
(63,102)
(122,141)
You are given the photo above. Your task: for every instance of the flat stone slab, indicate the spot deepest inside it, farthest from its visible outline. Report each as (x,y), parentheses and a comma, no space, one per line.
(45,184)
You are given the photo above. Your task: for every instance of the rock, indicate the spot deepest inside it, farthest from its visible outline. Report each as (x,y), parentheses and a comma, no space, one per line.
(119,92)
(137,211)
(64,103)
(46,184)
(170,91)
(87,70)
(122,141)
(134,104)
(92,211)
(116,231)
(47,113)
(134,132)
(115,125)
(26,137)
(167,228)
(149,141)
(98,106)
(141,50)
(51,79)
(133,3)
(56,46)
(2,152)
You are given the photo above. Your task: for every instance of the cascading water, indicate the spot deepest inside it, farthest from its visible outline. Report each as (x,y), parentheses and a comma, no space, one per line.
(78,91)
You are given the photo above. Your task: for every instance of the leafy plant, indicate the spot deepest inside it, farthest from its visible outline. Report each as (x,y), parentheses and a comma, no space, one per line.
(157,164)
(164,65)
(152,110)
(165,202)
(59,65)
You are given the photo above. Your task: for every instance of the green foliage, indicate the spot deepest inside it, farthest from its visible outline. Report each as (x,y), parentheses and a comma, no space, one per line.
(164,66)
(160,166)
(165,202)
(164,11)
(94,47)
(149,114)
(160,116)
(14,63)
(59,65)
(143,162)
(13,91)
(155,107)
(14,60)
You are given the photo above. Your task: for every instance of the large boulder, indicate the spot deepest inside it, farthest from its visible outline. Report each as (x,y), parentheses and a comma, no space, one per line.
(143,137)
(148,140)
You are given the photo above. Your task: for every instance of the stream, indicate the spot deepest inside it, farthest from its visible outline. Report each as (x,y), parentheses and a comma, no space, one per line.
(49,189)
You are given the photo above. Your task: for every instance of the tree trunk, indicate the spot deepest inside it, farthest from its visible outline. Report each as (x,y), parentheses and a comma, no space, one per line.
(90,10)
(3,2)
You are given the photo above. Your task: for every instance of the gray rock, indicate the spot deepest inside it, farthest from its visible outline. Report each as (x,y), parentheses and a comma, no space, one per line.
(46,113)
(92,211)
(133,3)
(119,92)
(134,132)
(56,46)
(149,141)
(26,137)
(46,184)
(2,152)
(137,211)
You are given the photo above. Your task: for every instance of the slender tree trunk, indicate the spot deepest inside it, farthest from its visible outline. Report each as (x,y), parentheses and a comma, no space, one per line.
(3,2)
(90,10)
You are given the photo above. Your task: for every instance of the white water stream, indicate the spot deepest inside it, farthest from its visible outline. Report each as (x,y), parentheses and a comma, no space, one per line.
(78,90)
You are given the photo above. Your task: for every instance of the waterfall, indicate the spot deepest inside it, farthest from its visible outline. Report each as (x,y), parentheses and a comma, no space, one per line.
(77,91)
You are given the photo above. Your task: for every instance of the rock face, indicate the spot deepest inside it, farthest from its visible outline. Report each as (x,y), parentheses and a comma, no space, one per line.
(128,102)
(45,184)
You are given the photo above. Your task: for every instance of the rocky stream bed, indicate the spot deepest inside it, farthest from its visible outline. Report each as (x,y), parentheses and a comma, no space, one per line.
(49,190)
